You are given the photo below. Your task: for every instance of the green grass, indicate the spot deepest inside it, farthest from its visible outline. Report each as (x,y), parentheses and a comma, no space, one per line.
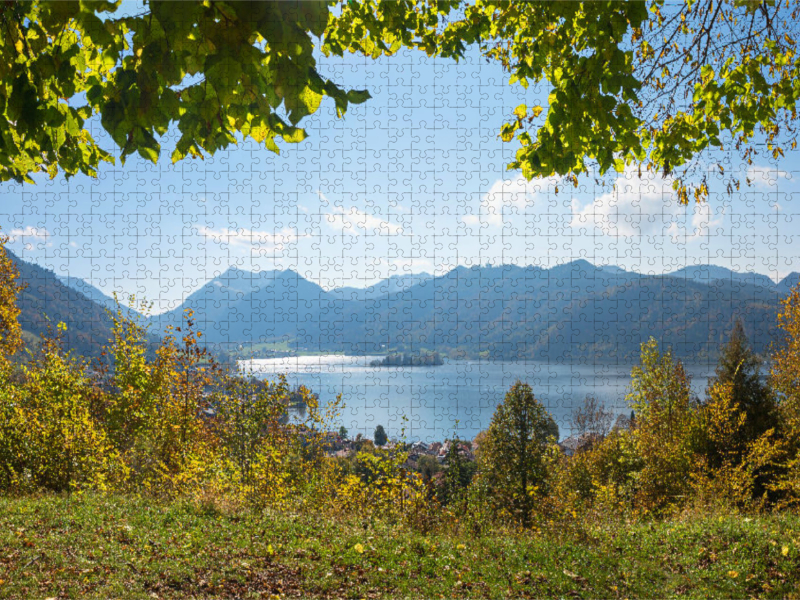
(117,547)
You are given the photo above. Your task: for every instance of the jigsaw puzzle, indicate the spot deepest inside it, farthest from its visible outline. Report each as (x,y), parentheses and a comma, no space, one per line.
(399,299)
(392,258)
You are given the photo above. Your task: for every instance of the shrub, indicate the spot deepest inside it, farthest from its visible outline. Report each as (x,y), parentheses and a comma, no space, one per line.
(605,473)
(50,439)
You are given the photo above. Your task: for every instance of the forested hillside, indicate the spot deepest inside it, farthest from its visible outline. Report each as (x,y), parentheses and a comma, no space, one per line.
(45,301)
(571,311)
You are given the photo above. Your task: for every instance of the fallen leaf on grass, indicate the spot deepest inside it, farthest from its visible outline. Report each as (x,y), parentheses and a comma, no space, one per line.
(575,576)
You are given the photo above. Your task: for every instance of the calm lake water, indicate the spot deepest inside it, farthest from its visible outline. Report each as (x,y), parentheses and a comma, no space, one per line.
(459,396)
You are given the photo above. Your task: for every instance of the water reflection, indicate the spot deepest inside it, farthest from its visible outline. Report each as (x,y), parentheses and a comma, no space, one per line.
(458,396)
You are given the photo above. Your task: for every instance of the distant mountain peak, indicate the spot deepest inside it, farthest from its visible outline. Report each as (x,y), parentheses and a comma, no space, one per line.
(707,273)
(237,273)
(96,295)
(789,282)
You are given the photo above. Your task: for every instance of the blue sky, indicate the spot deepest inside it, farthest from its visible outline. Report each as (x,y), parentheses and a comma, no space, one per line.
(413,180)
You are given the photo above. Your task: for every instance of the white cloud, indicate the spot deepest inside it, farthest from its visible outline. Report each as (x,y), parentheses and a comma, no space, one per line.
(37,233)
(643,206)
(765,176)
(264,241)
(400,265)
(28,236)
(514,194)
(354,221)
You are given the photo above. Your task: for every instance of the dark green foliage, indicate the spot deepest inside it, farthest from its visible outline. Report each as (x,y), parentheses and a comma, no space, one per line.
(433,359)
(459,473)
(741,367)
(428,467)
(221,71)
(512,455)
(380,436)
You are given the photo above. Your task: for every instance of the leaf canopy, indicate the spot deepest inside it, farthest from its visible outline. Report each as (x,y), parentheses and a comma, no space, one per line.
(645,83)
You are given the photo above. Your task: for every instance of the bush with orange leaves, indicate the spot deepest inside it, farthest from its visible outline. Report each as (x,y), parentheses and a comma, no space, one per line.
(10,330)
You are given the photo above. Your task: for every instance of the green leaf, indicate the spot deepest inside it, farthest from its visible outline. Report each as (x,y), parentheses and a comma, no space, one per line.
(94,29)
(358,96)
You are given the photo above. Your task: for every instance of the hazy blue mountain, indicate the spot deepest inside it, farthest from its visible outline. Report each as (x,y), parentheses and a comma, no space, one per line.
(244,307)
(571,311)
(711,273)
(788,282)
(395,283)
(93,293)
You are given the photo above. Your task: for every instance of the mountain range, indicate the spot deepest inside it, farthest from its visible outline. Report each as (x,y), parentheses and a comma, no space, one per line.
(569,312)
(574,311)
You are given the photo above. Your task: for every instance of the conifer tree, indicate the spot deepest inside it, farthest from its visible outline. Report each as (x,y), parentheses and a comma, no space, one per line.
(459,472)
(512,456)
(741,367)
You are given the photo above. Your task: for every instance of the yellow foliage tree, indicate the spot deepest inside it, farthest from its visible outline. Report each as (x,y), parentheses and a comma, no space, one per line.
(785,370)
(129,411)
(660,395)
(785,380)
(179,438)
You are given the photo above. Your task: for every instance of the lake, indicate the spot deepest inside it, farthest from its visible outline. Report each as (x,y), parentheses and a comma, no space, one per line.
(459,396)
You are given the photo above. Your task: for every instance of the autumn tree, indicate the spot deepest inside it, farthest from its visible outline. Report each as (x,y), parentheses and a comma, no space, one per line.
(660,395)
(512,457)
(785,380)
(10,330)
(592,418)
(649,84)
(785,369)
(137,386)
(740,367)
